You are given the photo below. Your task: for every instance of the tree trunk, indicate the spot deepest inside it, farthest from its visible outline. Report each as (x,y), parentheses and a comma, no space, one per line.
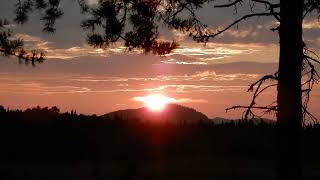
(289,116)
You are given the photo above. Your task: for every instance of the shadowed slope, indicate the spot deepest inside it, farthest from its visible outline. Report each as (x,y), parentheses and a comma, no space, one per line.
(173,113)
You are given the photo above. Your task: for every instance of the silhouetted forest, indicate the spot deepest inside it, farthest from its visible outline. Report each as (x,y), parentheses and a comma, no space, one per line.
(44,143)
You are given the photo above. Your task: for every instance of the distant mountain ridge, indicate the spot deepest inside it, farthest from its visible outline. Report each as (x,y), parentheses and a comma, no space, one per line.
(172,113)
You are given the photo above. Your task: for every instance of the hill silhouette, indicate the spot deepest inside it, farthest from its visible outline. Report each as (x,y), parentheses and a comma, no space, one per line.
(172,113)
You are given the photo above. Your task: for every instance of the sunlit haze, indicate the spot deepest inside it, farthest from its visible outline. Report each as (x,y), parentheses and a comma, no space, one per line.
(155,102)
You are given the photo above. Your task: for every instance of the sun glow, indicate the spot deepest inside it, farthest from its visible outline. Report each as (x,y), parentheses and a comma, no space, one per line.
(155,102)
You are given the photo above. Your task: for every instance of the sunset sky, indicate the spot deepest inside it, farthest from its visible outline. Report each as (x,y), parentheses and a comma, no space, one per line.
(207,77)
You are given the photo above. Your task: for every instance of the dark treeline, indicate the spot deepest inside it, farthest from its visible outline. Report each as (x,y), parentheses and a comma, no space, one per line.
(44,135)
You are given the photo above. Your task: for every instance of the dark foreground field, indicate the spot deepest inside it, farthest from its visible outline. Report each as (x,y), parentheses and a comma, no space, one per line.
(45,144)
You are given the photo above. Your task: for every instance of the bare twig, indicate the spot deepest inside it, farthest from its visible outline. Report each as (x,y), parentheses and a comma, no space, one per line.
(248,113)
(229,4)
(206,37)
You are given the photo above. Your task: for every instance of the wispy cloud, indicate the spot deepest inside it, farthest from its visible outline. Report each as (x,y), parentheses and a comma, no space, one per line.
(194,53)
(241,33)
(209,76)
(187,88)
(198,76)
(40,89)
(187,53)
(190,100)
(34,42)
(311,24)
(70,84)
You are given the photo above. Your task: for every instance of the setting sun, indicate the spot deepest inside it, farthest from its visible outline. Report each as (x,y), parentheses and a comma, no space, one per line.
(155,102)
